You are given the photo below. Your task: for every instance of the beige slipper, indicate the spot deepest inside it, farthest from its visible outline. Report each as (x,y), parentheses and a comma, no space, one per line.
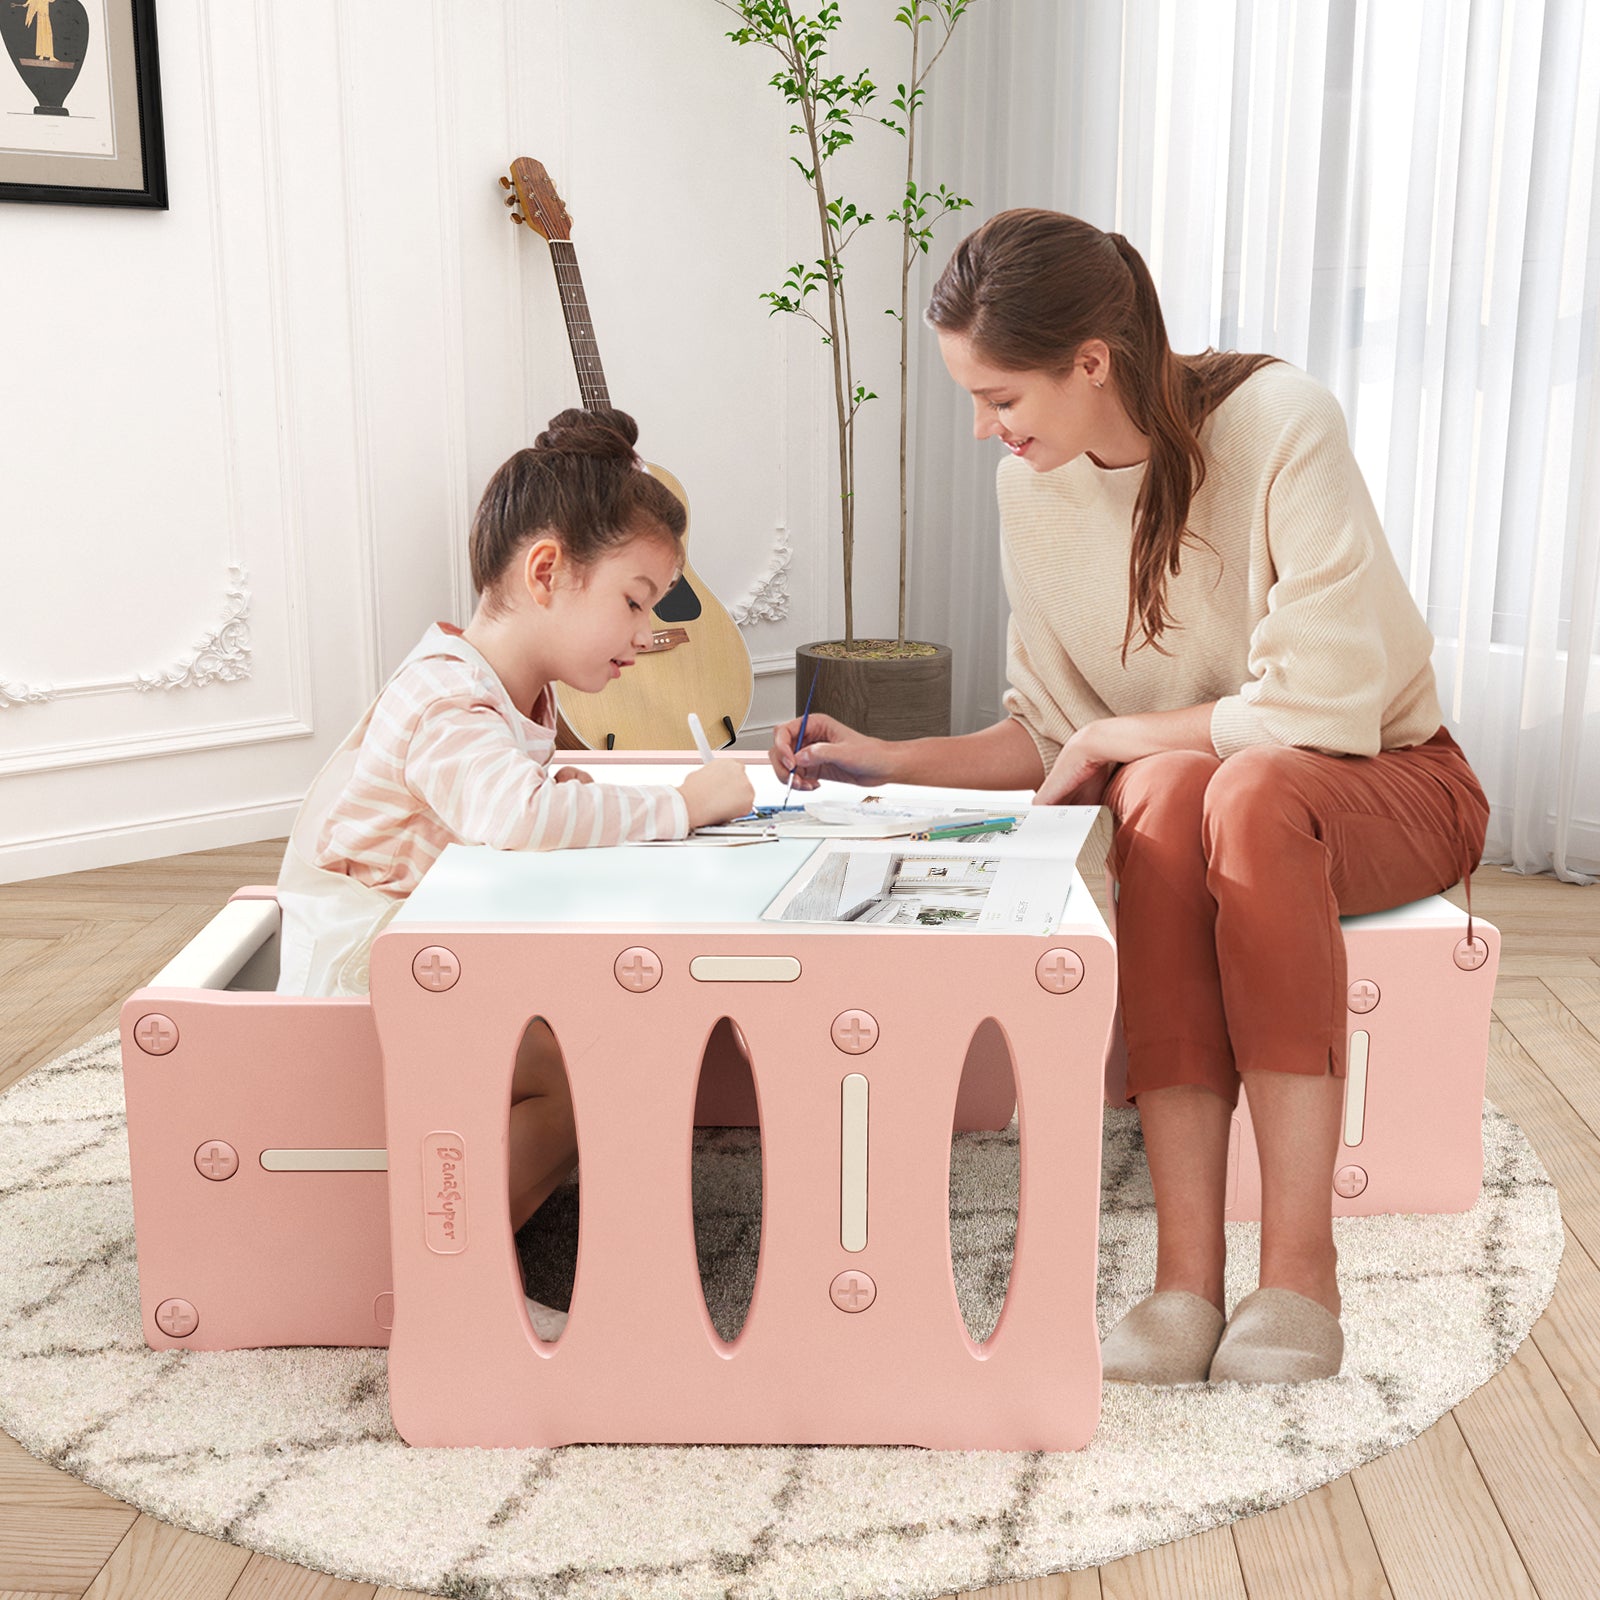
(1167,1339)
(1278,1336)
(548,1323)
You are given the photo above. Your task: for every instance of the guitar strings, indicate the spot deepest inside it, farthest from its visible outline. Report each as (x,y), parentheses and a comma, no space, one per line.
(580,327)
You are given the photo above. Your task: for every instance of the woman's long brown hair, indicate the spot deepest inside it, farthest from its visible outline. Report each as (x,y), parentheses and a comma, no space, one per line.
(1028,290)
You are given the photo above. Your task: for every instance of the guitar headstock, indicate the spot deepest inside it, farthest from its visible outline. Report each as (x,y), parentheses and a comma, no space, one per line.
(542,209)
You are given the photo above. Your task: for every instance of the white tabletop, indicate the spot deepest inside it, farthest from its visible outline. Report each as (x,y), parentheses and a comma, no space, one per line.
(662,884)
(627,884)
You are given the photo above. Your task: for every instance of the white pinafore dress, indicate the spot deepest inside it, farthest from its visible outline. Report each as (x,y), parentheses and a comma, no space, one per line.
(329,918)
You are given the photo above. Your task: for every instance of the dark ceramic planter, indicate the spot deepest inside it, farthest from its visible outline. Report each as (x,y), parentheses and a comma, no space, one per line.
(885,699)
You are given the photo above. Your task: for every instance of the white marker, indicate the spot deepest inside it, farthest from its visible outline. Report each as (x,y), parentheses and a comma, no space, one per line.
(702,744)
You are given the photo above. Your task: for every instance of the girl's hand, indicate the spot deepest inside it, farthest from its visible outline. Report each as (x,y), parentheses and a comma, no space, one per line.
(717,792)
(1081,773)
(573,775)
(831,751)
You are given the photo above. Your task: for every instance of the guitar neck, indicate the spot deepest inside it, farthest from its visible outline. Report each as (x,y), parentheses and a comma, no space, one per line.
(580,329)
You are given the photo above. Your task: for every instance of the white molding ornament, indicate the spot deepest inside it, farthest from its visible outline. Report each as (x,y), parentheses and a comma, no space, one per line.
(24,694)
(220,656)
(768,598)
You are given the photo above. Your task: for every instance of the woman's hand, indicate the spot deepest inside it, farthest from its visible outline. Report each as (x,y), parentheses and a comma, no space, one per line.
(1090,758)
(573,775)
(1081,774)
(831,751)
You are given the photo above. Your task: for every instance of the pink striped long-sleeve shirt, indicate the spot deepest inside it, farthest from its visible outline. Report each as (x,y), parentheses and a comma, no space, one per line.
(447,758)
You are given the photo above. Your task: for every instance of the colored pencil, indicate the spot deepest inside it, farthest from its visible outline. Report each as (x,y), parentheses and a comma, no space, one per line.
(967,829)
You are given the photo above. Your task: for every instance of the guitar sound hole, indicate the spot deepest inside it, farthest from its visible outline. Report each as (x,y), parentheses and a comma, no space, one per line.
(680,603)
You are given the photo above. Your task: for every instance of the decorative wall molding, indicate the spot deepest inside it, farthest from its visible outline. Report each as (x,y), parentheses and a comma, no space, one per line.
(370,599)
(223,653)
(24,694)
(767,600)
(291,486)
(459,498)
(220,656)
(99,752)
(774,664)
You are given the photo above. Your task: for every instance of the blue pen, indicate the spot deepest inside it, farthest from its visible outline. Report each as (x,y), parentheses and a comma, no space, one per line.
(800,738)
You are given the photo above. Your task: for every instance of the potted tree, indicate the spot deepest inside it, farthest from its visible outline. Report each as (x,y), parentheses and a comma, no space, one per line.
(890,688)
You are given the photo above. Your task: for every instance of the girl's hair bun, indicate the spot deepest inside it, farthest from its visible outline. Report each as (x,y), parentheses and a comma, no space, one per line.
(603,432)
(581,482)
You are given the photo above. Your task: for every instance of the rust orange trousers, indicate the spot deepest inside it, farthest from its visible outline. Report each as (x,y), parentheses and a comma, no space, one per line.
(1230,879)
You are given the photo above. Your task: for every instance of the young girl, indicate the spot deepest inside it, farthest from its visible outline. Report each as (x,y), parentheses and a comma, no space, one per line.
(571,547)
(1210,634)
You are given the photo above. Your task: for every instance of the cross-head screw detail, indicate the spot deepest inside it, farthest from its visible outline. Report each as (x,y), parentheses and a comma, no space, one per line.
(852,1291)
(637,969)
(1363,996)
(1059,970)
(177,1318)
(436,968)
(854,1032)
(155,1034)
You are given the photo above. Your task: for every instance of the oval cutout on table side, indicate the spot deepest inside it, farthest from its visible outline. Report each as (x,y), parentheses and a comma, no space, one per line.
(726,1190)
(543,1186)
(985,1183)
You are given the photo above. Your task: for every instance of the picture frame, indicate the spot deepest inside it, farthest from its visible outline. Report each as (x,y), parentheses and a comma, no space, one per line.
(80,103)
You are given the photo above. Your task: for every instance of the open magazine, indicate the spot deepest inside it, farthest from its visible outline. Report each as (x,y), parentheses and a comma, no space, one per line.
(874,816)
(1016,880)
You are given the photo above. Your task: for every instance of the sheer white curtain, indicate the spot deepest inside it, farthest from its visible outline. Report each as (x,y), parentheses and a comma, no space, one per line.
(1404,199)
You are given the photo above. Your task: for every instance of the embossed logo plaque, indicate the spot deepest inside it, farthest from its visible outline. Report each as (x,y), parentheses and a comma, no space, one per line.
(444,1193)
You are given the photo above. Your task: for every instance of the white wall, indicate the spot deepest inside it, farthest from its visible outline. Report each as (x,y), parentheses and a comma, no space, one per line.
(260,421)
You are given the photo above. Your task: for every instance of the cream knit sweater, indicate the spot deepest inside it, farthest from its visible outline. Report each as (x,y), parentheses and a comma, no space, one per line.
(1291,615)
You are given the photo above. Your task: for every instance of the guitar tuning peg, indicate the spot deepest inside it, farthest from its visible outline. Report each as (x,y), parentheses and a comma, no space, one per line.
(517,216)
(511,199)
(505,182)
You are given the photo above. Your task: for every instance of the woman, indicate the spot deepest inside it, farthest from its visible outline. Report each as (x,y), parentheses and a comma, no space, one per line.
(1209,635)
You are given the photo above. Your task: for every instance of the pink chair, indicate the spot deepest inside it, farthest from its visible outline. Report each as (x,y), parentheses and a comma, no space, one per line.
(1417,1052)
(860,1040)
(255,1137)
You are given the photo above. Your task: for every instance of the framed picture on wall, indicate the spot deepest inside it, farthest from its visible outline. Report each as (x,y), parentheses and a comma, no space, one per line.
(80,103)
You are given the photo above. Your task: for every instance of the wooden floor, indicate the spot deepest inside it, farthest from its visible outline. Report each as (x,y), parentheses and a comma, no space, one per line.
(1499,1499)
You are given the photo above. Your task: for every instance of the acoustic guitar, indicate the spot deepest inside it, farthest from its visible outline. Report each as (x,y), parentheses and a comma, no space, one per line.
(697,659)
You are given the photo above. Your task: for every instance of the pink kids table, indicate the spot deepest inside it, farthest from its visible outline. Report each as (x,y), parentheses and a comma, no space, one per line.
(257,1142)
(860,1039)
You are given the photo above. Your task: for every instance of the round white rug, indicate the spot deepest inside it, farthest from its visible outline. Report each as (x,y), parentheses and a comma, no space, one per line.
(291,1452)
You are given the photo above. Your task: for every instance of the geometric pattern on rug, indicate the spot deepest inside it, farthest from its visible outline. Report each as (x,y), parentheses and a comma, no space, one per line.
(291,1452)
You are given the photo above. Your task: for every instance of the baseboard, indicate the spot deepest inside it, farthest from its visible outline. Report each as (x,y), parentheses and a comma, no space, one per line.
(51,855)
